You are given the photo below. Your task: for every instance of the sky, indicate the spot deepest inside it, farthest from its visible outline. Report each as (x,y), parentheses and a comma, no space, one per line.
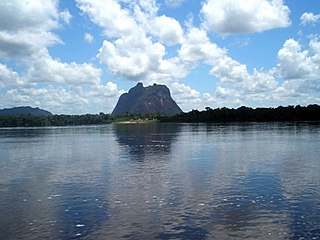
(79,56)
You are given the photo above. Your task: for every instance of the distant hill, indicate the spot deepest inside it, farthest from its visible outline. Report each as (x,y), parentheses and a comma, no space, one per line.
(24,111)
(146,100)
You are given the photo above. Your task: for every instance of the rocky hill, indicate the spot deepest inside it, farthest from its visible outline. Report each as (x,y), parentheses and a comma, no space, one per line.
(146,100)
(24,111)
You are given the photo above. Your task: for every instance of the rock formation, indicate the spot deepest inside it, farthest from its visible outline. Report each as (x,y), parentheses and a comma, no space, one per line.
(146,100)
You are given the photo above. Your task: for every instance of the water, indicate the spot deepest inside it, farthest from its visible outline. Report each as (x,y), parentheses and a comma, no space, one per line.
(161,181)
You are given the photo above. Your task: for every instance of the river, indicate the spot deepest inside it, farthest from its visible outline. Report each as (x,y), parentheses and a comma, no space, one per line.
(161,181)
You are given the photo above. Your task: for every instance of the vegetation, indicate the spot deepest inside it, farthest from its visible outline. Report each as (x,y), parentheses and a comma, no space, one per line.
(242,114)
(246,114)
(29,120)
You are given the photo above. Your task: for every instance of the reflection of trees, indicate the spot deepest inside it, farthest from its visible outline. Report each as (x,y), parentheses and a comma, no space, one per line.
(146,139)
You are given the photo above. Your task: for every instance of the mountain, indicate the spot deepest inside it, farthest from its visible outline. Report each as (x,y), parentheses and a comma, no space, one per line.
(145,100)
(24,111)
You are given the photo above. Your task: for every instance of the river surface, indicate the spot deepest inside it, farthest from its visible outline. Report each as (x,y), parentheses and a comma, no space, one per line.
(161,181)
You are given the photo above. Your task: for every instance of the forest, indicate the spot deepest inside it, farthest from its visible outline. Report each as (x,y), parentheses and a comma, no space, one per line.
(247,114)
(241,114)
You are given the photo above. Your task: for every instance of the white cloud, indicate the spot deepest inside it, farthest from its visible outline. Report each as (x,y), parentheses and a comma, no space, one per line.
(58,99)
(309,18)
(168,29)
(9,78)
(244,16)
(135,44)
(88,37)
(198,47)
(25,27)
(23,44)
(185,96)
(295,63)
(26,31)
(116,21)
(237,85)
(22,14)
(173,3)
(66,16)
(44,68)
(130,57)
(230,71)
(137,58)
(149,7)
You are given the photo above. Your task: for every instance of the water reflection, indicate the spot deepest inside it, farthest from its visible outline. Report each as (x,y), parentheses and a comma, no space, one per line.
(161,181)
(146,140)
(53,187)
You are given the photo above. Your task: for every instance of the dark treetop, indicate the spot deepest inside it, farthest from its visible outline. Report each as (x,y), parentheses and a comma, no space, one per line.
(147,100)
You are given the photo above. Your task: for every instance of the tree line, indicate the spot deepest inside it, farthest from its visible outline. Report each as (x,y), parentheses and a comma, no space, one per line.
(241,114)
(28,120)
(247,114)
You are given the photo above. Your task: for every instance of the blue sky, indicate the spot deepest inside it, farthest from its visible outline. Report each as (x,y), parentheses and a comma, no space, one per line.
(79,56)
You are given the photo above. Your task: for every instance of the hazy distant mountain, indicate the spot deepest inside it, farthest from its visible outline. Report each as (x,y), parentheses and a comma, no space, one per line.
(24,111)
(144,100)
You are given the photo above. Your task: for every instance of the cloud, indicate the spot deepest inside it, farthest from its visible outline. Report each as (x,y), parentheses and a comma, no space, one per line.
(173,3)
(88,37)
(309,18)
(44,68)
(22,44)
(300,70)
(62,100)
(66,16)
(296,63)
(237,16)
(140,55)
(115,20)
(185,96)
(26,32)
(139,45)
(20,14)
(139,59)
(130,57)
(198,47)
(167,29)
(26,27)
(9,78)
(230,71)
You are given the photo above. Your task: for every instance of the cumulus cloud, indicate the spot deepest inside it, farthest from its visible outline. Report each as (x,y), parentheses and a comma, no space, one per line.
(167,29)
(228,70)
(44,68)
(9,77)
(26,31)
(62,100)
(238,16)
(140,55)
(138,47)
(300,69)
(26,27)
(186,96)
(88,37)
(117,22)
(309,18)
(131,57)
(296,63)
(198,47)
(19,14)
(66,16)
